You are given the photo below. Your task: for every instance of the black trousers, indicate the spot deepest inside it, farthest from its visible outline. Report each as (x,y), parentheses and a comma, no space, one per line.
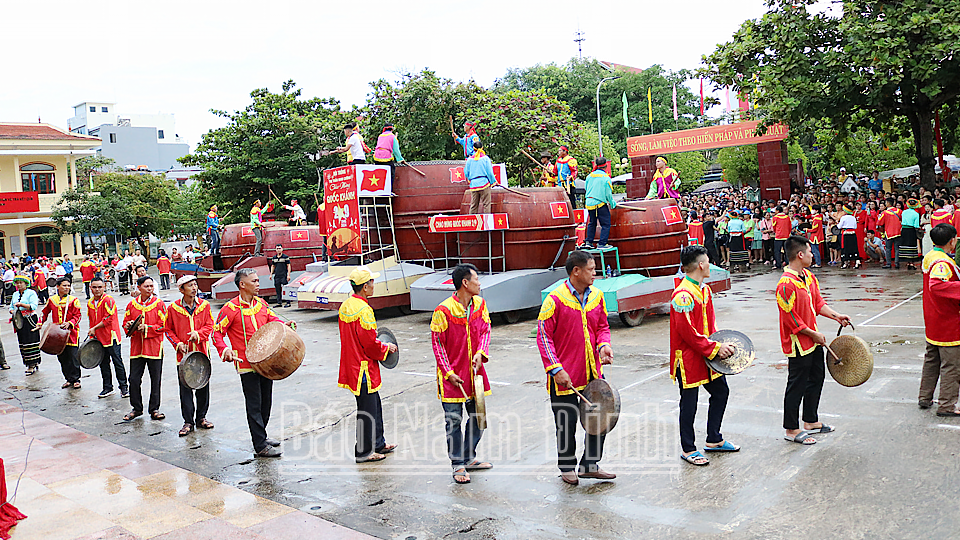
(164,281)
(369,422)
(573,200)
(137,366)
(112,354)
(602,216)
(778,254)
(86,288)
(804,383)
(70,363)
(712,252)
(193,415)
(8,289)
(278,283)
(719,392)
(566,415)
(258,395)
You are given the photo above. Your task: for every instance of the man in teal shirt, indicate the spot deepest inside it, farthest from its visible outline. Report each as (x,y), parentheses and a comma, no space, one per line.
(599,202)
(479,172)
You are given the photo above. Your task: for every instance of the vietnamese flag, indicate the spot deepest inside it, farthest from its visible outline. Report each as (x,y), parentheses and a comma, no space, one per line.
(580,216)
(299,236)
(457,175)
(671,215)
(559,210)
(375,180)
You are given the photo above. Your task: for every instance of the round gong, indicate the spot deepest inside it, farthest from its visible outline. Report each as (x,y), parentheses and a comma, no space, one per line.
(194,370)
(91,353)
(742,357)
(392,359)
(480,402)
(18,319)
(856,361)
(602,417)
(275,351)
(53,339)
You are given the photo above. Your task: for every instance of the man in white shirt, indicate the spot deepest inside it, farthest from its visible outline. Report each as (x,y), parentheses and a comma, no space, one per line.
(128,260)
(189,256)
(8,276)
(297,215)
(123,275)
(139,260)
(60,271)
(354,145)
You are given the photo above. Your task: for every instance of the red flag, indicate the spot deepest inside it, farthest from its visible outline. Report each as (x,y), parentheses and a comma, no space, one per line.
(671,215)
(701,97)
(457,176)
(559,210)
(246,231)
(580,216)
(374,180)
(299,236)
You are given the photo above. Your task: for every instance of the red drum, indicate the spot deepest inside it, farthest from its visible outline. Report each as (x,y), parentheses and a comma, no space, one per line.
(53,339)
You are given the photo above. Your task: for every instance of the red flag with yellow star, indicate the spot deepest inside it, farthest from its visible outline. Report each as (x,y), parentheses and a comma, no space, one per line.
(559,210)
(457,176)
(300,236)
(374,180)
(671,215)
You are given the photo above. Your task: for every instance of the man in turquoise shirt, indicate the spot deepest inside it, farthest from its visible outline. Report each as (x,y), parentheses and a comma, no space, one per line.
(599,202)
(479,172)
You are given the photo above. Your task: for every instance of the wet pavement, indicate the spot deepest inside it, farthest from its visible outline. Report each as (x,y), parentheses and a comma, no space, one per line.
(889,471)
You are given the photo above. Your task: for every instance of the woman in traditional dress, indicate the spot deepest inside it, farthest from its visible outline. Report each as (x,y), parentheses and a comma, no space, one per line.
(26,302)
(910,224)
(849,250)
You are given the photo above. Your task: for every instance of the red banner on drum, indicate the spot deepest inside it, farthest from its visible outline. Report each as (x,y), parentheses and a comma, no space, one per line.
(672,215)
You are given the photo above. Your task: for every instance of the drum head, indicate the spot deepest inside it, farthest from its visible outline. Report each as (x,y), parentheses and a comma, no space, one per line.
(51,282)
(91,353)
(18,319)
(480,401)
(742,357)
(392,359)
(275,351)
(53,339)
(194,370)
(602,417)
(856,361)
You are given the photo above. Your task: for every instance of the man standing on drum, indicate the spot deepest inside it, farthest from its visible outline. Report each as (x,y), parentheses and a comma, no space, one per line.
(573,336)
(65,309)
(460,330)
(105,328)
(360,356)
(799,302)
(188,326)
(238,320)
(691,322)
(147,312)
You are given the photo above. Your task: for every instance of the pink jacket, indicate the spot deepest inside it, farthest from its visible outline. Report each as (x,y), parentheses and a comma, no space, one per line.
(459,333)
(570,335)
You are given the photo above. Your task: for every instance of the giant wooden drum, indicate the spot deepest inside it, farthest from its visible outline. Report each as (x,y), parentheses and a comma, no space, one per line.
(53,339)
(275,351)
(645,240)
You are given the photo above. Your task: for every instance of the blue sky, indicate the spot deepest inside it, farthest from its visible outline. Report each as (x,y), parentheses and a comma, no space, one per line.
(189,57)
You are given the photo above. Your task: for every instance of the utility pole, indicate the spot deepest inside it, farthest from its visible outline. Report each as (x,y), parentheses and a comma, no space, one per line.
(579,39)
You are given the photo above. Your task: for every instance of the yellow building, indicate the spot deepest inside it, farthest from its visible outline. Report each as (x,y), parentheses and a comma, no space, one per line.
(33,174)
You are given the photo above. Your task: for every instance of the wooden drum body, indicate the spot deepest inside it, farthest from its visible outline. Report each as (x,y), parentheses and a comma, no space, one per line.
(53,339)
(275,351)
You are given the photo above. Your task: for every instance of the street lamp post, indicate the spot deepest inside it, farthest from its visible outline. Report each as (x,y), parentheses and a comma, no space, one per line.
(599,134)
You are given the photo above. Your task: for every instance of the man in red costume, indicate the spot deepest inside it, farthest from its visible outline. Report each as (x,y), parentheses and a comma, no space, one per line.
(238,320)
(65,310)
(799,301)
(360,356)
(105,327)
(573,336)
(694,230)
(460,330)
(146,346)
(188,327)
(816,234)
(941,319)
(691,321)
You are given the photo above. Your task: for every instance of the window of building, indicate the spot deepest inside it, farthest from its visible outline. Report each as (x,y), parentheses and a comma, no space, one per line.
(39,177)
(93,108)
(38,247)
(113,138)
(103,109)
(159,133)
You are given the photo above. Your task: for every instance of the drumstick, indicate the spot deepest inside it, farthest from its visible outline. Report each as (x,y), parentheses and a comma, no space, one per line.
(541,165)
(833,353)
(416,169)
(585,400)
(634,209)
(464,392)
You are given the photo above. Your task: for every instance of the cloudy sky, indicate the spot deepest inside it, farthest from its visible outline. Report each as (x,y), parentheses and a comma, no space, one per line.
(187,57)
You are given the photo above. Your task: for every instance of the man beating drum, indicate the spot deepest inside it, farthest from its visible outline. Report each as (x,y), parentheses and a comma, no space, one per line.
(65,310)
(188,327)
(238,320)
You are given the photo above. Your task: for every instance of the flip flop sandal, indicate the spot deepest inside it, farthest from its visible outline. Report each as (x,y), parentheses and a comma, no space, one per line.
(801,438)
(76,384)
(461,473)
(823,429)
(727,446)
(372,457)
(131,415)
(157,415)
(691,459)
(205,424)
(388,449)
(477,465)
(4,366)
(66,385)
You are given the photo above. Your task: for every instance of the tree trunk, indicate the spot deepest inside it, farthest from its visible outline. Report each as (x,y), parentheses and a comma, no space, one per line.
(921,124)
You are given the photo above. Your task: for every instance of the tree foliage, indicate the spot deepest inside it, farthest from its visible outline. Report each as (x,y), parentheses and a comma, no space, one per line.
(883,59)
(690,166)
(267,146)
(861,152)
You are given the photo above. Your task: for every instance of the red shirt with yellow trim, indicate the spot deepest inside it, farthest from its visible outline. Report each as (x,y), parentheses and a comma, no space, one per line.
(458,333)
(87,271)
(180,322)
(941,299)
(66,309)
(691,321)
(104,310)
(781,226)
(360,350)
(695,235)
(889,221)
(816,229)
(570,335)
(940,216)
(799,301)
(146,343)
(238,321)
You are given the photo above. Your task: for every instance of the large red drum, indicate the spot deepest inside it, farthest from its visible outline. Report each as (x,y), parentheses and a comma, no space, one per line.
(418,198)
(645,240)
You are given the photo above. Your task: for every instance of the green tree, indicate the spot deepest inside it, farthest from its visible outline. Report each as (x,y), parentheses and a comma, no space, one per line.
(884,60)
(739,164)
(267,146)
(691,167)
(131,205)
(860,152)
(86,166)
(189,210)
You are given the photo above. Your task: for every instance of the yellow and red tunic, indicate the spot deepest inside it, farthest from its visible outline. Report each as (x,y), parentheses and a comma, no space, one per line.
(816,229)
(941,216)
(458,333)
(570,333)
(941,299)
(799,302)
(238,321)
(691,321)
(66,309)
(146,343)
(180,322)
(360,350)
(104,310)
(695,235)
